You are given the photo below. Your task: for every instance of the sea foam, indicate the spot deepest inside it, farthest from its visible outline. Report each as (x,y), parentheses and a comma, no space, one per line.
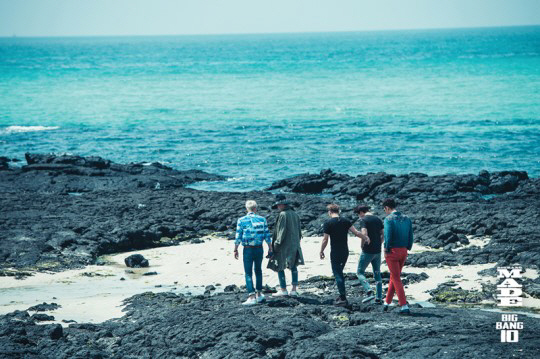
(19,129)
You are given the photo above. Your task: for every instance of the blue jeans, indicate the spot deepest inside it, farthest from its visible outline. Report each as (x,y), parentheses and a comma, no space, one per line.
(253,256)
(283,282)
(363,262)
(338,260)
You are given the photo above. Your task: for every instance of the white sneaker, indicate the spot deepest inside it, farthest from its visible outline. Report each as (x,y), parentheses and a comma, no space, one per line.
(280,293)
(293,293)
(250,301)
(261,298)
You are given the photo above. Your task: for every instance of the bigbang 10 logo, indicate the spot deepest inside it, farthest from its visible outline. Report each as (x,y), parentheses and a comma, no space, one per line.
(509,327)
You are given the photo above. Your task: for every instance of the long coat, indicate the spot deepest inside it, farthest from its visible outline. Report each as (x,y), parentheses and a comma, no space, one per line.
(286,241)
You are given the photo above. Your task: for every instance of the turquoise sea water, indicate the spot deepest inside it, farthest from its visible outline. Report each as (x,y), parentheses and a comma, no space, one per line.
(263,107)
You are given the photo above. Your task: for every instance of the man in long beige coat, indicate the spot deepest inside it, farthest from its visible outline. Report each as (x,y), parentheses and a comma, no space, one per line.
(286,244)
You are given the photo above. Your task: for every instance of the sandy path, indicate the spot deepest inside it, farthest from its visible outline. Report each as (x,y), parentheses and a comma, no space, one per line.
(189,268)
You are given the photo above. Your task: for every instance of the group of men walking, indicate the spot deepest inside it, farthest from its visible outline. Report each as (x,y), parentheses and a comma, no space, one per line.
(284,250)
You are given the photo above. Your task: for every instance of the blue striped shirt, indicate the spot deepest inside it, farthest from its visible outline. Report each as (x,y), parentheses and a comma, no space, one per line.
(252,230)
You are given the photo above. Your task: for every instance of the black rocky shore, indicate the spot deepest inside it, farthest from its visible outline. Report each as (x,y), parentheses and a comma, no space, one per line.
(169,325)
(62,212)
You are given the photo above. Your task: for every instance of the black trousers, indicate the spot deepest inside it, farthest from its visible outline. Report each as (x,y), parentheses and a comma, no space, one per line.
(338,261)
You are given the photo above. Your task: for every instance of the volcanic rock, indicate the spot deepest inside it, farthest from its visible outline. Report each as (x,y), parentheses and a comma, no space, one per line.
(449,293)
(44,307)
(4,163)
(136,261)
(231,288)
(40,317)
(55,331)
(63,212)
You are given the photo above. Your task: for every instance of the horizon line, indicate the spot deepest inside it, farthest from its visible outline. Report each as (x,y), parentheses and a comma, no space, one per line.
(270,33)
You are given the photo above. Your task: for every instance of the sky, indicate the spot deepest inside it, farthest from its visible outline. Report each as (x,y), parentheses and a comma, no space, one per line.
(177,17)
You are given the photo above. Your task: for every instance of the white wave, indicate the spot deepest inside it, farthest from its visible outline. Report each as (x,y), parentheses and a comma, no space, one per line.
(241,179)
(18,129)
(164,163)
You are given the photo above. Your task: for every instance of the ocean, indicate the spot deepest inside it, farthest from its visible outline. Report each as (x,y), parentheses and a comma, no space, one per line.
(259,108)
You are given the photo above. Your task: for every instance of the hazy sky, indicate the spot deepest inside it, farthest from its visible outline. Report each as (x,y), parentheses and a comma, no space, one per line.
(156,17)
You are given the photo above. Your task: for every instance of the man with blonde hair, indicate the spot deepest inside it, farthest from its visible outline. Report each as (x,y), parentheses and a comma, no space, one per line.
(251,232)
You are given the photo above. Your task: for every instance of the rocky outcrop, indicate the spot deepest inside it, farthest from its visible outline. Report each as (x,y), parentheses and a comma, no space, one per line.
(44,307)
(75,174)
(413,187)
(311,183)
(82,207)
(63,211)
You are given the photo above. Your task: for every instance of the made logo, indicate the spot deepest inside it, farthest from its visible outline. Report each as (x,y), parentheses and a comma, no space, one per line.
(510,290)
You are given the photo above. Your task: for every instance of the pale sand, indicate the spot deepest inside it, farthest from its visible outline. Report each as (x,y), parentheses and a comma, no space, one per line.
(193,266)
